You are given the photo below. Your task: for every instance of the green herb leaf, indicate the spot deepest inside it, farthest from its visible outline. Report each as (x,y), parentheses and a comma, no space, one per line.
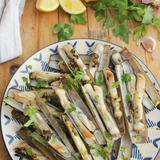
(40,83)
(29,122)
(126,78)
(44,100)
(121,16)
(98,6)
(89,82)
(109,147)
(121,3)
(106,117)
(100,15)
(73,108)
(100,150)
(32,138)
(115,84)
(109,23)
(26,80)
(107,135)
(128,98)
(96,97)
(137,137)
(30,111)
(54,141)
(123,32)
(29,151)
(139,31)
(29,66)
(117,99)
(78,18)
(65,31)
(122,149)
(99,81)
(148,16)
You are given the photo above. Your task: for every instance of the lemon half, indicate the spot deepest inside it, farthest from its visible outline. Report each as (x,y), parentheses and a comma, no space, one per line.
(47,5)
(72,6)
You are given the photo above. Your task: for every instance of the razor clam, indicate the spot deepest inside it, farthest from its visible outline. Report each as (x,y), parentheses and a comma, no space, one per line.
(24,133)
(94,63)
(47,94)
(66,104)
(84,114)
(55,59)
(149,87)
(115,99)
(117,59)
(74,62)
(136,137)
(53,122)
(76,138)
(34,83)
(22,150)
(97,97)
(125,148)
(45,76)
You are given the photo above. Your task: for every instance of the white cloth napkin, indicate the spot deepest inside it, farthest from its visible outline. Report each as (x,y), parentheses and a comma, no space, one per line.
(10,40)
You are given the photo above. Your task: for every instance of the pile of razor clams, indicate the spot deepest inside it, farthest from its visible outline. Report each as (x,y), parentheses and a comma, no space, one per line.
(87,106)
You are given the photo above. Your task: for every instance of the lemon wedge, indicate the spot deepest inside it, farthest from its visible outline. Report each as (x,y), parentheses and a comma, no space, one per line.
(47,5)
(72,6)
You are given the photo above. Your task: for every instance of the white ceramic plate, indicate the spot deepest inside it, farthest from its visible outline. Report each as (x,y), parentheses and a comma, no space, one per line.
(146,151)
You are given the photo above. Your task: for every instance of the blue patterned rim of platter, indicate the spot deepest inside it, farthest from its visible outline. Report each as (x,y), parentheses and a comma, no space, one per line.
(144,151)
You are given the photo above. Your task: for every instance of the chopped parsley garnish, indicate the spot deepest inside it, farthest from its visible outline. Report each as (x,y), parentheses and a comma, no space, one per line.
(89,82)
(96,97)
(30,111)
(73,50)
(54,141)
(100,150)
(106,117)
(29,151)
(86,92)
(109,146)
(115,84)
(26,80)
(61,85)
(29,66)
(99,80)
(136,137)
(107,135)
(126,78)
(38,74)
(30,122)
(117,99)
(40,83)
(73,108)
(40,91)
(122,149)
(32,138)
(128,98)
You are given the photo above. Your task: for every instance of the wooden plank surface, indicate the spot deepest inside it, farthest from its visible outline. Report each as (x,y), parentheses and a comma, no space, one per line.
(37,32)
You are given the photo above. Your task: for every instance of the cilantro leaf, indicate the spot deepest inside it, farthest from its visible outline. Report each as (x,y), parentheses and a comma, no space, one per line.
(109,146)
(98,6)
(107,135)
(128,98)
(100,15)
(139,31)
(65,31)
(29,122)
(121,16)
(29,151)
(106,117)
(156,22)
(121,3)
(126,78)
(78,18)
(73,108)
(26,80)
(148,16)
(136,137)
(40,83)
(30,111)
(109,23)
(29,66)
(96,97)
(32,137)
(115,84)
(99,80)
(123,32)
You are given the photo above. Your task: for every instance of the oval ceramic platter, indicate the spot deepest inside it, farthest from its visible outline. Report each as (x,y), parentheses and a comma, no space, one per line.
(146,151)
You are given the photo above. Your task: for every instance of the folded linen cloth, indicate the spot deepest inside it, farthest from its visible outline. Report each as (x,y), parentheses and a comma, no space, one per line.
(10,40)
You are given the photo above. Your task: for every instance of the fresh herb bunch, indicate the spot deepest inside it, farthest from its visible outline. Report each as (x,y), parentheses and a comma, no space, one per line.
(120,11)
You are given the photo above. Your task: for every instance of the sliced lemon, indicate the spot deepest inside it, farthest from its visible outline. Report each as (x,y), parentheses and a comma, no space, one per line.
(72,6)
(47,5)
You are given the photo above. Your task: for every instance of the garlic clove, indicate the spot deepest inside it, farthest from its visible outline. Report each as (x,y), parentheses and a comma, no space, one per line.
(148,43)
(146,1)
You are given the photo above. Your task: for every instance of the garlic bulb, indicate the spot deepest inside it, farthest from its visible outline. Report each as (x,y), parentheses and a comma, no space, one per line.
(148,43)
(154,2)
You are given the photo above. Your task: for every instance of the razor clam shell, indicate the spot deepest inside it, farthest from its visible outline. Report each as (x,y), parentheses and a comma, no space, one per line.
(123,89)
(77,140)
(76,99)
(96,115)
(34,83)
(24,133)
(147,102)
(125,142)
(105,58)
(53,122)
(149,87)
(116,58)
(67,61)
